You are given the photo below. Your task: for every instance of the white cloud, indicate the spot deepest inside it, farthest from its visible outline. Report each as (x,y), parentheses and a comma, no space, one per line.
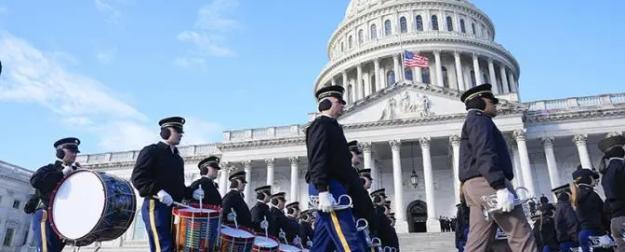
(189,62)
(208,36)
(113,15)
(106,56)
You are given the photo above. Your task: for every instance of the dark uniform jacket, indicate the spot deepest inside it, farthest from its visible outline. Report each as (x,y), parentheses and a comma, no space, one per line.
(45,179)
(211,193)
(589,209)
(292,229)
(234,200)
(483,151)
(548,233)
(613,182)
(158,168)
(305,232)
(385,231)
(565,222)
(328,155)
(363,205)
(260,212)
(279,221)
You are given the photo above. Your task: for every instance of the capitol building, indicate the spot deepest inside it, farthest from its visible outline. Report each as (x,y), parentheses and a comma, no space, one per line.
(408,120)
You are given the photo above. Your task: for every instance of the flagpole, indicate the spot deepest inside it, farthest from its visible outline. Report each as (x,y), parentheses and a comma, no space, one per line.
(401,47)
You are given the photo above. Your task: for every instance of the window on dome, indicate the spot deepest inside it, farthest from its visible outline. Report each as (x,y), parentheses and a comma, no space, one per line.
(419,23)
(445,77)
(403,26)
(462,28)
(408,74)
(374,32)
(350,41)
(473,28)
(434,23)
(388,28)
(425,75)
(360,36)
(450,24)
(390,78)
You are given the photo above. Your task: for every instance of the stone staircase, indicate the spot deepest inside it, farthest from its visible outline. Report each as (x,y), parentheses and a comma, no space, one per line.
(438,242)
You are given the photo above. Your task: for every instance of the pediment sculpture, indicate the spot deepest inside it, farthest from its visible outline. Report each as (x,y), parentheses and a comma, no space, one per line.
(406,105)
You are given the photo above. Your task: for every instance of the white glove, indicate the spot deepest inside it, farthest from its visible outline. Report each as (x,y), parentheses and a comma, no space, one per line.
(198,194)
(326,202)
(67,170)
(264,224)
(231,216)
(165,198)
(505,200)
(605,241)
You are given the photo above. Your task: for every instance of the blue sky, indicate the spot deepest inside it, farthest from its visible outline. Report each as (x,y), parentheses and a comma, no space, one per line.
(107,70)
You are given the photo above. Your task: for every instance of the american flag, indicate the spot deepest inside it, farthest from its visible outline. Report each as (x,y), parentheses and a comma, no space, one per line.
(414,60)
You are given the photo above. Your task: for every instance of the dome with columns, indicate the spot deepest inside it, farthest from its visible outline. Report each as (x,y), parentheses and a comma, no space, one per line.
(365,52)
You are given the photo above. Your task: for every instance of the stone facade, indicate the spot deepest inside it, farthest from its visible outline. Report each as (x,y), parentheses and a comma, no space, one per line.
(15,190)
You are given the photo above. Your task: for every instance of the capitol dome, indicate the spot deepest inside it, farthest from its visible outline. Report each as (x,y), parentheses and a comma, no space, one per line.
(365,51)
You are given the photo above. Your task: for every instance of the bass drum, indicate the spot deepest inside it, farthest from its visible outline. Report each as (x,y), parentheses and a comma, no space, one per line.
(92,206)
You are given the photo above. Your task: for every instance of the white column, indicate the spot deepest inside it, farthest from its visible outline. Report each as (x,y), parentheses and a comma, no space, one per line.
(223,179)
(433,225)
(519,135)
(439,68)
(346,86)
(417,76)
(247,167)
(504,78)
(459,75)
(366,154)
(366,80)
(493,78)
(455,147)
(516,164)
(359,90)
(396,68)
(294,179)
(397,186)
(376,71)
(270,170)
(552,165)
(512,82)
(333,81)
(582,150)
(476,70)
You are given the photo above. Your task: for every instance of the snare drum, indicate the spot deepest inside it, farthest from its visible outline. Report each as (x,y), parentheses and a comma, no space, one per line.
(288,248)
(196,229)
(235,240)
(90,206)
(265,244)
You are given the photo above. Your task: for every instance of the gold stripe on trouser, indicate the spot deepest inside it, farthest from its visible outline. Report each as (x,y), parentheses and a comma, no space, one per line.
(44,237)
(339,231)
(155,238)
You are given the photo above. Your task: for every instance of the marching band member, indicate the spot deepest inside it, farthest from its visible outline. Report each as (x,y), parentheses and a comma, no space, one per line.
(44,180)
(277,220)
(365,178)
(158,175)
(612,181)
(330,174)
(588,206)
(305,227)
(385,231)
(209,168)
(565,219)
(233,200)
(363,206)
(292,230)
(486,169)
(260,211)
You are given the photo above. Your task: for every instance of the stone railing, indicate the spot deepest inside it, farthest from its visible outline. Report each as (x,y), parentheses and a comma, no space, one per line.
(576,103)
(15,171)
(263,133)
(128,156)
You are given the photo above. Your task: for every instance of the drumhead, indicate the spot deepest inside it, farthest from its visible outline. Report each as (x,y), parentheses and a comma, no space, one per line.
(265,242)
(288,248)
(233,232)
(78,204)
(195,212)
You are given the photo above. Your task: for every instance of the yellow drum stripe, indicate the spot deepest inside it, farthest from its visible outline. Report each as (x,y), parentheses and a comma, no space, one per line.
(44,237)
(157,243)
(339,231)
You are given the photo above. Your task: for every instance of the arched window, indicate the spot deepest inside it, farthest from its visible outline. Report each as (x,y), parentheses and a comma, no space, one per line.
(403,26)
(373,32)
(425,75)
(342,46)
(388,28)
(473,81)
(462,28)
(434,23)
(408,74)
(445,77)
(360,36)
(372,83)
(390,78)
(350,41)
(473,28)
(419,22)
(450,24)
